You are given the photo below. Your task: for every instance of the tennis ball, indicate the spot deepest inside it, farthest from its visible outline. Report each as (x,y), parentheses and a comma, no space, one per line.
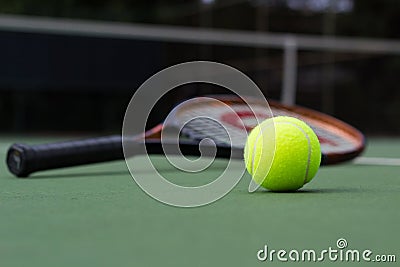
(295,159)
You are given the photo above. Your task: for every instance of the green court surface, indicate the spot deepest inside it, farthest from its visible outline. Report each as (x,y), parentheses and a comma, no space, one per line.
(97,216)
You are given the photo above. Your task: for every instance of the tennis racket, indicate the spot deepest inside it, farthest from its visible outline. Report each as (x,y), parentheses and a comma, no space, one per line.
(340,142)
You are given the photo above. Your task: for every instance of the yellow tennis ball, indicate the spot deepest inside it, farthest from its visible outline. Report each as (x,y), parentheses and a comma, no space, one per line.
(282,154)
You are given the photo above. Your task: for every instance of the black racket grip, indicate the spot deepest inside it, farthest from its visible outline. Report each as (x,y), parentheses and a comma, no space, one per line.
(22,160)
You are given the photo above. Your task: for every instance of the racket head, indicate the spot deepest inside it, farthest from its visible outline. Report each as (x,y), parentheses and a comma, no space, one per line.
(208,124)
(339,141)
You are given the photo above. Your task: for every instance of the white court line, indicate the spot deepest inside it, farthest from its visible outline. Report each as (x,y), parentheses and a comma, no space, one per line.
(377,161)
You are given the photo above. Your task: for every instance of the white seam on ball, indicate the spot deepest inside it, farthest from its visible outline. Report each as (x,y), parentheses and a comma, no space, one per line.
(261,133)
(262,129)
(309,148)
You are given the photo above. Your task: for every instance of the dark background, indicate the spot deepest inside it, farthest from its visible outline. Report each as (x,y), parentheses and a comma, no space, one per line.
(76,84)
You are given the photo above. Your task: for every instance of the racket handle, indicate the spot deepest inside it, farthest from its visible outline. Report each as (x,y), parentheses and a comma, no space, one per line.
(22,160)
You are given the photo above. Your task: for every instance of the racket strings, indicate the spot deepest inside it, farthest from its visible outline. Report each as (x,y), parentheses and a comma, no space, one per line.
(331,141)
(209,121)
(204,122)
